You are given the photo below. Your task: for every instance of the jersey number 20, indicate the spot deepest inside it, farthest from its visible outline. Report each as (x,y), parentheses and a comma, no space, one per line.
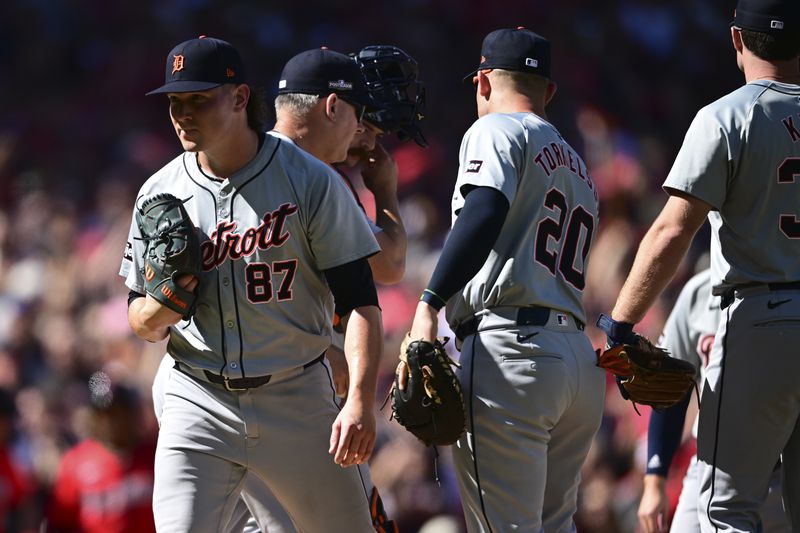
(562,256)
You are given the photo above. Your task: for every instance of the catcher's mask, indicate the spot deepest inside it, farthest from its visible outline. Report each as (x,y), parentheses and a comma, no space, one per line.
(397,94)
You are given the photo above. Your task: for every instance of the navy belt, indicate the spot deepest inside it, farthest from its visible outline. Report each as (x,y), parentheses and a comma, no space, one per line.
(242,384)
(787,286)
(726,290)
(532,315)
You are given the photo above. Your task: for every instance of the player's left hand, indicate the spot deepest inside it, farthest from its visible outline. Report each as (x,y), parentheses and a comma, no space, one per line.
(425,327)
(654,507)
(353,434)
(379,170)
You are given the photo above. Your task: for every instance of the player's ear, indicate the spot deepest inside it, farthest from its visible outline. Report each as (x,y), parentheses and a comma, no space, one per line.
(550,92)
(736,38)
(241,96)
(484,85)
(332,106)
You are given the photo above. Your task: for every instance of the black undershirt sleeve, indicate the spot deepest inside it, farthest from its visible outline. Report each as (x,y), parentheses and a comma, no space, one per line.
(472,238)
(133,295)
(352,286)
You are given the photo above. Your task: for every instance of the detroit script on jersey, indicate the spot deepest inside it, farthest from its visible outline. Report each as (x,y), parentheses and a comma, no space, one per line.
(268,233)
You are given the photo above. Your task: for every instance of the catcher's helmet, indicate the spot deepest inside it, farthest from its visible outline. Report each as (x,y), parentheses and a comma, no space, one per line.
(398,96)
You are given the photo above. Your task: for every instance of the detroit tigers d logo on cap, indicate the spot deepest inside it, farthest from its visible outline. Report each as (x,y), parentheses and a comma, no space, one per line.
(177,63)
(200,65)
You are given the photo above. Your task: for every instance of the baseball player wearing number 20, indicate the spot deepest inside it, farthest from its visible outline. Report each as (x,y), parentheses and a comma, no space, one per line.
(512,274)
(740,167)
(249,388)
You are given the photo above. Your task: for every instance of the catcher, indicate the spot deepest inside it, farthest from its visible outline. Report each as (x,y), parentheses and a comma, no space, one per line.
(645,374)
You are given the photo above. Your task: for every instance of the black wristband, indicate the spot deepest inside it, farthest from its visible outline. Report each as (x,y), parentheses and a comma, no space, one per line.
(432,299)
(617,332)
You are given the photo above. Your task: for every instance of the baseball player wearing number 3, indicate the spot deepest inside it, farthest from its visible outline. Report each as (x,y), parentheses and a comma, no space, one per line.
(249,388)
(740,167)
(512,273)
(689,335)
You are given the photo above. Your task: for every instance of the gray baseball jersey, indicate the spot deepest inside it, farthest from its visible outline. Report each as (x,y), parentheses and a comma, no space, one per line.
(741,155)
(269,232)
(533,391)
(337,339)
(264,308)
(544,179)
(691,326)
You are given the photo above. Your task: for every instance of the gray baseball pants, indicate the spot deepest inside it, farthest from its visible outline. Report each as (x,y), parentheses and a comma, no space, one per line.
(749,412)
(686,518)
(210,439)
(534,400)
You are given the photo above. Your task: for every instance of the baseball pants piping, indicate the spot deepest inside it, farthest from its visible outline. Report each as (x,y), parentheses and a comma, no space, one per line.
(210,438)
(533,409)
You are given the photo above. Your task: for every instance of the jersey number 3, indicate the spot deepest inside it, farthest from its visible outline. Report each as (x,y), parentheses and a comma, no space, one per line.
(562,256)
(787,173)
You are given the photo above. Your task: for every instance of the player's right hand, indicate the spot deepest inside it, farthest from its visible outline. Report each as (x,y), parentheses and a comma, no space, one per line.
(353,434)
(654,507)
(379,170)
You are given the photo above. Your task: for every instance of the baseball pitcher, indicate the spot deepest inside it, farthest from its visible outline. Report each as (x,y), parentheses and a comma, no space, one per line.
(248,389)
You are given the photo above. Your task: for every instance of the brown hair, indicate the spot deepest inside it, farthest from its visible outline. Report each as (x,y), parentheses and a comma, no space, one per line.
(257,109)
(526,83)
(772,47)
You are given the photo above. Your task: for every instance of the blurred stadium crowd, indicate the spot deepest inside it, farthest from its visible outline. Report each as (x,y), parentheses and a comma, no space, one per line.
(78,137)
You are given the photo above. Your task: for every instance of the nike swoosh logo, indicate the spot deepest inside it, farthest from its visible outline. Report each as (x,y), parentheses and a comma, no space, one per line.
(773,305)
(523,338)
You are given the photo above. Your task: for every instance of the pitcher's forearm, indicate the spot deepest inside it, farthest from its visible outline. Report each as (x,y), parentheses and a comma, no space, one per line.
(363,348)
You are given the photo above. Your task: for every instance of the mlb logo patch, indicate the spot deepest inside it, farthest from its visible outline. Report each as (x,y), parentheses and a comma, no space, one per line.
(530,62)
(474,166)
(562,320)
(776,24)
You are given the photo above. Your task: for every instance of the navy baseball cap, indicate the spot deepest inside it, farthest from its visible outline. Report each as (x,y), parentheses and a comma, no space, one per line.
(515,49)
(201,64)
(767,16)
(321,71)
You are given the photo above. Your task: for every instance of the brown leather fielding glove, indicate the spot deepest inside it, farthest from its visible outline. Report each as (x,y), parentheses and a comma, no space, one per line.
(647,374)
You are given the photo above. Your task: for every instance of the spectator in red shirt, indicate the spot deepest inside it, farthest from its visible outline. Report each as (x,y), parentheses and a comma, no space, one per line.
(105,483)
(17,511)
